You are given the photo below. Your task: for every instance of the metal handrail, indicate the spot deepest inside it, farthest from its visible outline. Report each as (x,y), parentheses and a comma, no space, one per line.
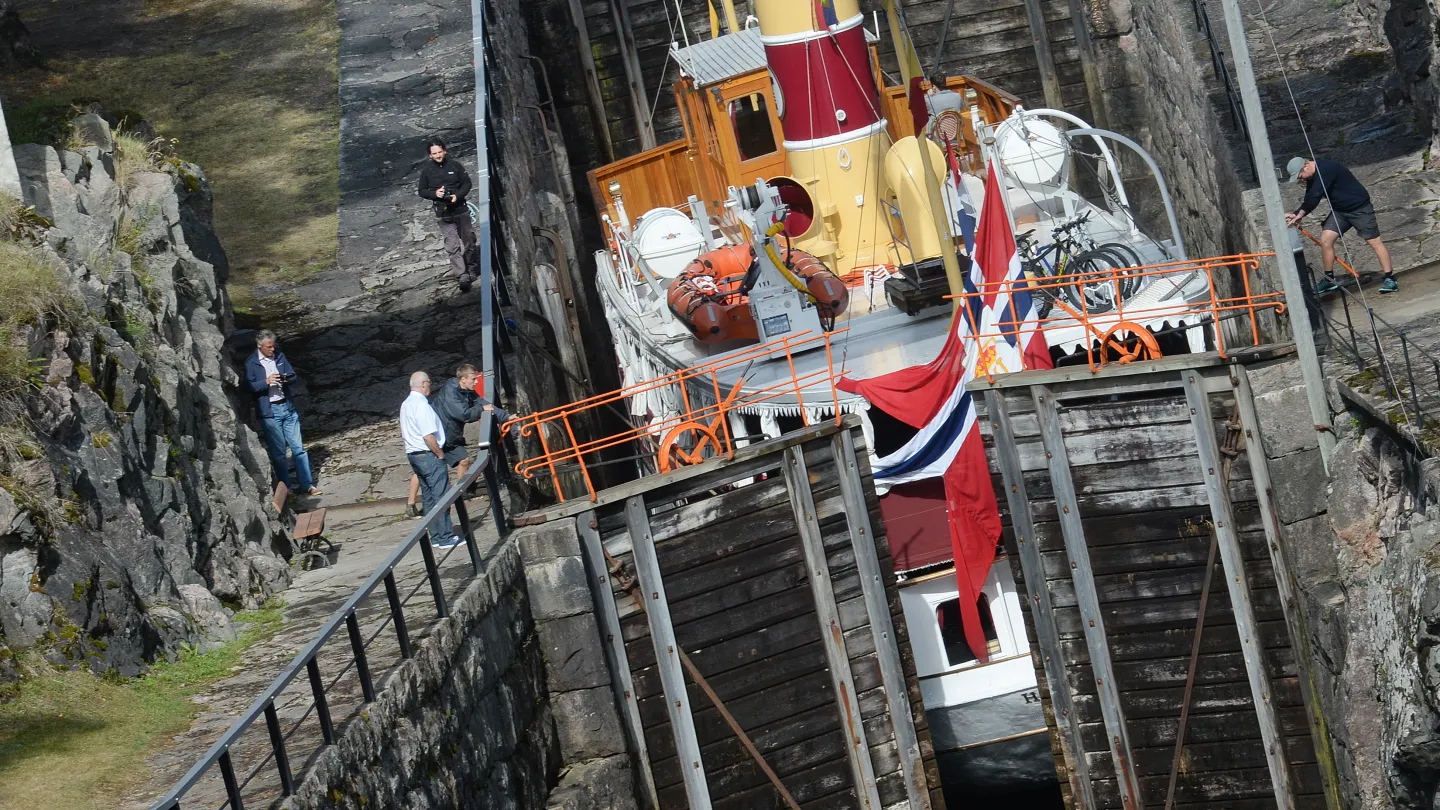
(1380,330)
(487,463)
(1232,93)
(1351,340)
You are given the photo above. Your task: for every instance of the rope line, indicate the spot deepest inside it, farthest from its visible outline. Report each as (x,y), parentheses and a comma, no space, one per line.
(1310,148)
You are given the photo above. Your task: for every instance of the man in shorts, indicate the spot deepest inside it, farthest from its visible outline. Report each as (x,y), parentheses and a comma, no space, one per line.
(1350,207)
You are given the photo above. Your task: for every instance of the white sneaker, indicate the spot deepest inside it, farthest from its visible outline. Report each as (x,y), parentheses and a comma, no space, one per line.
(449,542)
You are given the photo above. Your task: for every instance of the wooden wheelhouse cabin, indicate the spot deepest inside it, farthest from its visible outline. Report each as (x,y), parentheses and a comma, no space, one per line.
(734,132)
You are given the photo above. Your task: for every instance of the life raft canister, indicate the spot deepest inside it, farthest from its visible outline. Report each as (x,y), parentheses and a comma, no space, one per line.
(707,295)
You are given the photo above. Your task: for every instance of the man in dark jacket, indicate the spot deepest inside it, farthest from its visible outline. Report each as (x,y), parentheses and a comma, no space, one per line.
(444,182)
(1350,207)
(457,403)
(269,374)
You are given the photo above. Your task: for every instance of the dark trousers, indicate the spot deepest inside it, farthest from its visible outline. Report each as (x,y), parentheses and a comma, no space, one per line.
(459,243)
(434,480)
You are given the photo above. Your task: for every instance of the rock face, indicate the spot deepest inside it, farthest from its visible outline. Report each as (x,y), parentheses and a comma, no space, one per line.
(1363,559)
(155,524)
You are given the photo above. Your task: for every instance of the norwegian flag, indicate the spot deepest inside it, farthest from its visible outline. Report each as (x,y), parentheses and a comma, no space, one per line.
(932,398)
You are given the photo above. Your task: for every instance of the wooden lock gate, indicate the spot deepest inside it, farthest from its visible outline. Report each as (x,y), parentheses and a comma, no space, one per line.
(1116,484)
(769,576)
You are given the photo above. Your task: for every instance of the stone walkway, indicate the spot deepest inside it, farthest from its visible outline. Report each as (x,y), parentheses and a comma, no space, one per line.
(1411,312)
(366,535)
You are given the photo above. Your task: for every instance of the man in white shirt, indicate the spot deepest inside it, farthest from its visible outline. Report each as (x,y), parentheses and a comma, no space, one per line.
(424,437)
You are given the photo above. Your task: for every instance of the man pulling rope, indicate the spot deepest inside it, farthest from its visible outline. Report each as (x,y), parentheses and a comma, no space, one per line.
(1350,207)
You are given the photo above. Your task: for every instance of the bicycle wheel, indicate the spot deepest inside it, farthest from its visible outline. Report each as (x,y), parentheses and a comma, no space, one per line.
(1129,258)
(1098,296)
(1041,269)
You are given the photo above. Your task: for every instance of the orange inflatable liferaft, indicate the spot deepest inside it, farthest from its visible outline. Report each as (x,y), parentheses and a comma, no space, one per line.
(707,296)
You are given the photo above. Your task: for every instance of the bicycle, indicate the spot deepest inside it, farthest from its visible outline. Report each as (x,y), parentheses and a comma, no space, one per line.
(1075,253)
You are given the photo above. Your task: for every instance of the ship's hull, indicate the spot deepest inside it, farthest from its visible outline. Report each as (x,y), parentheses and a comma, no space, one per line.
(994,746)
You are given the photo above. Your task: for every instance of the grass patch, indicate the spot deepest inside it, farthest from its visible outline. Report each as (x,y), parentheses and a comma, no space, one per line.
(98,732)
(248,87)
(30,292)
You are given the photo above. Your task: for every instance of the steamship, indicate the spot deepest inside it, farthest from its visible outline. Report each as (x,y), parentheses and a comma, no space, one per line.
(792,116)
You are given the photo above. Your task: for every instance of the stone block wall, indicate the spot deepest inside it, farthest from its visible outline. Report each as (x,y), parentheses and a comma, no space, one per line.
(1156,91)
(508,704)
(465,723)
(1361,553)
(598,770)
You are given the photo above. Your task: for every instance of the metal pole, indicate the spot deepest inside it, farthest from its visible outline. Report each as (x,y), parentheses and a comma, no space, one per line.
(9,176)
(1275,217)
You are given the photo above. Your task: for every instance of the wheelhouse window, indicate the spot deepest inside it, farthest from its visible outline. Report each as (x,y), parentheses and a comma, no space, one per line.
(952,631)
(750,117)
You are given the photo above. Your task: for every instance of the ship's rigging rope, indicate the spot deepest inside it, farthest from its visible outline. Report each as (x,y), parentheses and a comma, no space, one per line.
(1310,149)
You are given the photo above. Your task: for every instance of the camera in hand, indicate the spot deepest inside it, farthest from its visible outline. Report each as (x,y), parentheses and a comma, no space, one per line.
(287,377)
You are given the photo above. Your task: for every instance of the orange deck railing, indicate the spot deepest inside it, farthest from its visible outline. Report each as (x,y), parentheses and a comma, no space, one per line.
(699,431)
(700,426)
(1118,334)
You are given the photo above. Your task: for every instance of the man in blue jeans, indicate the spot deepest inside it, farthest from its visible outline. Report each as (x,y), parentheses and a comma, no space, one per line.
(269,375)
(424,439)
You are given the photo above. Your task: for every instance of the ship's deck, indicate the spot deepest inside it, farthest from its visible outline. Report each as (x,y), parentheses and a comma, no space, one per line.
(887,339)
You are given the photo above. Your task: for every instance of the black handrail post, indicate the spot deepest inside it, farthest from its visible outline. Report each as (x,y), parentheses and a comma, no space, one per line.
(322,707)
(1385,370)
(463,512)
(1354,338)
(232,788)
(277,744)
(497,509)
(432,572)
(397,615)
(362,665)
(1414,390)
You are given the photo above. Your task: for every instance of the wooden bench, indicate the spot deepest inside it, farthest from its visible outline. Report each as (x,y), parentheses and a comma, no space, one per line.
(307,532)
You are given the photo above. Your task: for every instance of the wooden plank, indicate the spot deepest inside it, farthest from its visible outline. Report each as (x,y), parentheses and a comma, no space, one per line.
(877,608)
(634,75)
(1238,584)
(1142,702)
(1165,614)
(1207,756)
(1166,524)
(1154,555)
(741,682)
(604,596)
(1041,37)
(1047,638)
(774,708)
(1153,584)
(667,653)
(1139,502)
(797,481)
(592,80)
(1294,616)
(1093,624)
(1159,732)
(1162,643)
(1220,789)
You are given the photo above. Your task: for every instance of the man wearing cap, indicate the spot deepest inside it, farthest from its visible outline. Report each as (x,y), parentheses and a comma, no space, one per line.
(1350,207)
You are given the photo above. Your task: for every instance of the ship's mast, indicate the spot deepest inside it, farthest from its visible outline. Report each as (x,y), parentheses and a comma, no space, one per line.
(910,69)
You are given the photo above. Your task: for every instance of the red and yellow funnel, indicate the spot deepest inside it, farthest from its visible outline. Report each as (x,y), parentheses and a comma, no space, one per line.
(835,130)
